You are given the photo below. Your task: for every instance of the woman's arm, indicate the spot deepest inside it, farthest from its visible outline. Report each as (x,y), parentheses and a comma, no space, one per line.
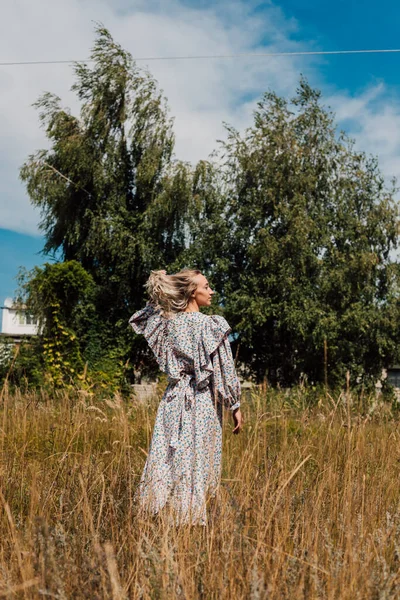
(237,420)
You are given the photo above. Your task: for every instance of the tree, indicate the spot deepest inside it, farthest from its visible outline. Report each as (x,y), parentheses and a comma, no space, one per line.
(111,195)
(302,251)
(293,226)
(61,298)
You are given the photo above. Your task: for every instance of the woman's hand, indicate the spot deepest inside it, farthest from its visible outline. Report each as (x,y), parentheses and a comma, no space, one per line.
(238,420)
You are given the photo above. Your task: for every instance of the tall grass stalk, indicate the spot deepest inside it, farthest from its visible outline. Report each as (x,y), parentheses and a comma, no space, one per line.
(308,507)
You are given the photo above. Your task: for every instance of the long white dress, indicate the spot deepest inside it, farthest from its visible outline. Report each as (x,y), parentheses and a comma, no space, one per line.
(183,465)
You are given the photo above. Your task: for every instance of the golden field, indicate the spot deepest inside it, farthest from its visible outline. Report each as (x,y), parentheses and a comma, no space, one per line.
(309,503)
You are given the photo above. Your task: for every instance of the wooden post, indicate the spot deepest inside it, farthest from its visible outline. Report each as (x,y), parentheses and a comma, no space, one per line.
(326,364)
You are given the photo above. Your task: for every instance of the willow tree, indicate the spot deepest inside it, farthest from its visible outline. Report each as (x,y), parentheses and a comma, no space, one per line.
(111,195)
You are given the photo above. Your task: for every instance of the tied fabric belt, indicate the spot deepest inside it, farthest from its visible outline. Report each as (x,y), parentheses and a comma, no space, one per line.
(176,398)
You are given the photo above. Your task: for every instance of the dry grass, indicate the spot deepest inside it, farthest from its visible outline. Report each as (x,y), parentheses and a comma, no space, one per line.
(308,505)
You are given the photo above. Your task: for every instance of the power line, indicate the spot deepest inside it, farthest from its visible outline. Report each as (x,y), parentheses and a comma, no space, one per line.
(211,56)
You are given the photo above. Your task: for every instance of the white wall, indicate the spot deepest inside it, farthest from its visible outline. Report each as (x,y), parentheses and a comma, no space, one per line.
(15,322)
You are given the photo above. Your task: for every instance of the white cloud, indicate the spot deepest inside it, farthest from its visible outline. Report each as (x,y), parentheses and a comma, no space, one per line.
(373,120)
(201,94)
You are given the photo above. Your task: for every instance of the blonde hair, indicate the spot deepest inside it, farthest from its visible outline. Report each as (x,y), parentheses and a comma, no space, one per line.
(171,293)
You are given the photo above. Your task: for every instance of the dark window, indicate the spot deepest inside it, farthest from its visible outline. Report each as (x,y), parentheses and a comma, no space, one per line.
(394,377)
(30,319)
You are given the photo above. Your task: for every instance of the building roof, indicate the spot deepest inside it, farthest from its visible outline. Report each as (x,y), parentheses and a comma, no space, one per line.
(10,304)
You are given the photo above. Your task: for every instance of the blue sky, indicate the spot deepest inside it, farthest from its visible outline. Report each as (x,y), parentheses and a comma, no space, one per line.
(351,25)
(16,249)
(363,90)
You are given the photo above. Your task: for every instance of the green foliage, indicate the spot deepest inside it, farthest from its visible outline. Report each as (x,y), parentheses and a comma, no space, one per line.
(297,232)
(61,296)
(293,227)
(59,293)
(68,352)
(27,368)
(111,195)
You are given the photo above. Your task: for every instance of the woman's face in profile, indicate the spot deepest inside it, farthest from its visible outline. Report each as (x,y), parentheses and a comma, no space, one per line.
(203,293)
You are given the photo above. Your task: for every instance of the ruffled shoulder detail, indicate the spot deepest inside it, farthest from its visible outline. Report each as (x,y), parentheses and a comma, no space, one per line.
(149,322)
(214,332)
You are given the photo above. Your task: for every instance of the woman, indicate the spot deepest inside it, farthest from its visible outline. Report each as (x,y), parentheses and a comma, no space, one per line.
(183,465)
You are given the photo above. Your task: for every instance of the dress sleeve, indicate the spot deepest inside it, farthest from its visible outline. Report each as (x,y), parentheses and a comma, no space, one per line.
(149,322)
(215,363)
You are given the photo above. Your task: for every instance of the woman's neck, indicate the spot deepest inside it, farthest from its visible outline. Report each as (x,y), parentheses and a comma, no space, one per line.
(192,307)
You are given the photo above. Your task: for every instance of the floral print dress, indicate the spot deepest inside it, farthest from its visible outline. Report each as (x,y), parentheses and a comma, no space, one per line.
(183,465)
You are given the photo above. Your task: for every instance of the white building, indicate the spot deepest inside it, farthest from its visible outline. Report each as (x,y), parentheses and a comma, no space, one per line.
(17,322)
